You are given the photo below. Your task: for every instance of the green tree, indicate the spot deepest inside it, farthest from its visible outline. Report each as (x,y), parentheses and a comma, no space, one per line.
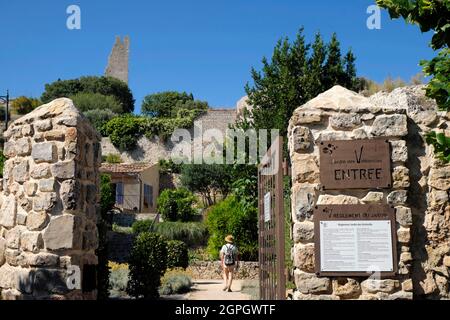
(106,86)
(177,205)
(207,179)
(165,104)
(429,15)
(229,217)
(294,76)
(334,70)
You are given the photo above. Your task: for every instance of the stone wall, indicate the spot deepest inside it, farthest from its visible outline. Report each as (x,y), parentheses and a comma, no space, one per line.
(207,270)
(49,205)
(153,150)
(419,192)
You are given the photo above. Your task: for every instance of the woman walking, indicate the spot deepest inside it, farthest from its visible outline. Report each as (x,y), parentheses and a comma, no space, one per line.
(229,257)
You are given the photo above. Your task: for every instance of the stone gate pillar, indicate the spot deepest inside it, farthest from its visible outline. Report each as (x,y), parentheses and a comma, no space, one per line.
(420,191)
(49,205)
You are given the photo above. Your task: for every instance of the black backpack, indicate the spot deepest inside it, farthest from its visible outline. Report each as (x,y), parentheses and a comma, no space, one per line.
(229,259)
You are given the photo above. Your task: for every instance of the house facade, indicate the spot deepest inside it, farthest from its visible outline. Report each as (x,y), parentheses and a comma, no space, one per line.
(136,186)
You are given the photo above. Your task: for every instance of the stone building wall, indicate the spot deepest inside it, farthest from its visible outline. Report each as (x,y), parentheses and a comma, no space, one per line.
(419,192)
(49,205)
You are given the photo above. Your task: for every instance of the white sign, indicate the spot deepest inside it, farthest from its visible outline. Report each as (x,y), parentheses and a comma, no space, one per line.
(356,246)
(267,207)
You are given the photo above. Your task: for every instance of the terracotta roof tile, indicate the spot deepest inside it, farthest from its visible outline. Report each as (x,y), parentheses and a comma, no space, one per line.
(125,167)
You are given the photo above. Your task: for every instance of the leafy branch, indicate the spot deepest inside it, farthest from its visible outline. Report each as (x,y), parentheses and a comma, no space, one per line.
(441,145)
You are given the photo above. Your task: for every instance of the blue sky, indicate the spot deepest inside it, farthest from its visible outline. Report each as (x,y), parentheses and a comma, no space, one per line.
(206,47)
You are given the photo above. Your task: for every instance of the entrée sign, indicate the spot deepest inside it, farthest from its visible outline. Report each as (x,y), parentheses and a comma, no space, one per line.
(355,240)
(355,164)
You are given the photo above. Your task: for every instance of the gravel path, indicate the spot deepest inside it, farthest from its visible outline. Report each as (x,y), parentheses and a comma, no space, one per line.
(212,290)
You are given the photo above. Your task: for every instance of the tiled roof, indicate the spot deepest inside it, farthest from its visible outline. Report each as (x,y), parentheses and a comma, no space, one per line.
(125,167)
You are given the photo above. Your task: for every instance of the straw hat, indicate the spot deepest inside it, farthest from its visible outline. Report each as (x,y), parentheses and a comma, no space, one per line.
(229,239)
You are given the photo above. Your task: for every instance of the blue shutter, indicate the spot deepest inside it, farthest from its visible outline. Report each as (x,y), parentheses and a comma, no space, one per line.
(119,193)
(148,195)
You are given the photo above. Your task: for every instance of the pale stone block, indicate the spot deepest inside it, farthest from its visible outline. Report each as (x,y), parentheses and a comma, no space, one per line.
(23,147)
(375,286)
(303,232)
(59,233)
(345,121)
(40,171)
(8,211)
(399,151)
(325,199)
(31,241)
(304,257)
(309,283)
(395,125)
(37,221)
(373,197)
(44,152)
(397,197)
(439,178)
(403,216)
(400,177)
(63,170)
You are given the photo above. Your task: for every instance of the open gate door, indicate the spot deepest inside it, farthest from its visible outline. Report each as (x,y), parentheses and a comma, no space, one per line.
(272,276)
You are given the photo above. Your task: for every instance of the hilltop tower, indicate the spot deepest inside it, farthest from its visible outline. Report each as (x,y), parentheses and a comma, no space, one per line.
(118,60)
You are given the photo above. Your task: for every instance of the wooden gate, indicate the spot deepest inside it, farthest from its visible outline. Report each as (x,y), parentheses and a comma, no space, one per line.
(271,224)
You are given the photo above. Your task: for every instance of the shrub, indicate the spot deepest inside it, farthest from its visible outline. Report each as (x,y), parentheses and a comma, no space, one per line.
(191,233)
(229,217)
(141,226)
(99,118)
(147,263)
(24,105)
(176,205)
(107,201)
(175,281)
(106,86)
(107,197)
(86,101)
(177,254)
(118,278)
(123,131)
(113,158)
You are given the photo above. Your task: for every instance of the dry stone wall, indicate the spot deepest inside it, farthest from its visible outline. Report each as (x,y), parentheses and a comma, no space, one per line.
(419,192)
(49,205)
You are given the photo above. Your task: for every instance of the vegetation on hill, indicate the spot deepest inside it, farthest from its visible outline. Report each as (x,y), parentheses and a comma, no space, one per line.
(105,86)
(23,105)
(431,15)
(162,114)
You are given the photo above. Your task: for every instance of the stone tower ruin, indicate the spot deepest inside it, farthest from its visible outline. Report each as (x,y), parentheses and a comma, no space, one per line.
(118,60)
